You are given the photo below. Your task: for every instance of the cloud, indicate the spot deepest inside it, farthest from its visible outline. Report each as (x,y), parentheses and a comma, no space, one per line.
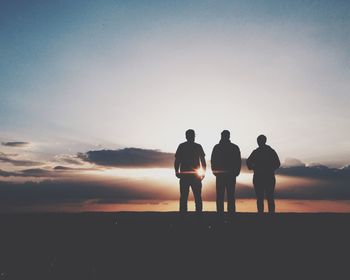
(61,168)
(69,159)
(9,159)
(65,168)
(59,192)
(18,144)
(57,171)
(316,172)
(292,183)
(31,172)
(36,172)
(293,162)
(67,184)
(4,173)
(129,157)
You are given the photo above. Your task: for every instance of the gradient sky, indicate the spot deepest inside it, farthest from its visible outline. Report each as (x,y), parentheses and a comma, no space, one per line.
(87,75)
(138,73)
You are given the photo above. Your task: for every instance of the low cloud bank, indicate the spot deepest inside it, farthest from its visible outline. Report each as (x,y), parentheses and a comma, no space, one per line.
(129,157)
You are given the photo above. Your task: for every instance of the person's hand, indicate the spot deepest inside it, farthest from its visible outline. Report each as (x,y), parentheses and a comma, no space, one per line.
(202,175)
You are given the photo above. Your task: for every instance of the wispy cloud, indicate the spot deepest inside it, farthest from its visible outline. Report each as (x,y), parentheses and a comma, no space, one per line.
(292,162)
(69,159)
(17,162)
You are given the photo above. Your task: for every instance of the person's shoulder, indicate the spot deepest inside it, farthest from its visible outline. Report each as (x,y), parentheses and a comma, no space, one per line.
(217,146)
(197,145)
(234,146)
(182,144)
(270,148)
(254,154)
(199,148)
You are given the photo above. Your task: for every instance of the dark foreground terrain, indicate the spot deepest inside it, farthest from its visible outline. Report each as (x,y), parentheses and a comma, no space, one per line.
(161,245)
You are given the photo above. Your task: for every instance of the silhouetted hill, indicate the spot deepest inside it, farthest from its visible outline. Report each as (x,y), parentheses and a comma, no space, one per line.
(160,245)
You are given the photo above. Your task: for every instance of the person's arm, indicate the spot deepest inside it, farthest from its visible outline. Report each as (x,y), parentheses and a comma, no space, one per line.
(203,162)
(250,161)
(238,162)
(177,163)
(277,161)
(213,161)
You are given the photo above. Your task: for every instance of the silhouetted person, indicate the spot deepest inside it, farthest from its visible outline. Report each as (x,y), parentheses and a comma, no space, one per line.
(189,159)
(264,161)
(226,166)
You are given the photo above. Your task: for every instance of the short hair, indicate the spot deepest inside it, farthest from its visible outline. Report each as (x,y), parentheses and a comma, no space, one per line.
(190,133)
(225,134)
(261,139)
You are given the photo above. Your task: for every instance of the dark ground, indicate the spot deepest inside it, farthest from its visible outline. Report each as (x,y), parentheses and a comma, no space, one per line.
(161,245)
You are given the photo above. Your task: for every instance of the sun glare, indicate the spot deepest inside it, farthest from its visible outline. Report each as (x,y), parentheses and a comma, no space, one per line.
(200,172)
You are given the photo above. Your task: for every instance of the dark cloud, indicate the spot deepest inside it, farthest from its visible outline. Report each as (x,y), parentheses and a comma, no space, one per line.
(316,172)
(79,191)
(299,182)
(9,159)
(57,171)
(66,168)
(55,192)
(4,173)
(31,172)
(18,144)
(129,157)
(36,172)
(306,182)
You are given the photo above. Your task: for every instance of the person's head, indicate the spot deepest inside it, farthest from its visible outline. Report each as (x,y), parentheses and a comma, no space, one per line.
(261,140)
(190,135)
(225,135)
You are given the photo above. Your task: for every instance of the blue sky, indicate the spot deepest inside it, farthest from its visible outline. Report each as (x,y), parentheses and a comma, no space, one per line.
(75,75)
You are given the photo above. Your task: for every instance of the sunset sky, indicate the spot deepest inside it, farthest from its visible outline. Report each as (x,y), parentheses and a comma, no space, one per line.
(97,95)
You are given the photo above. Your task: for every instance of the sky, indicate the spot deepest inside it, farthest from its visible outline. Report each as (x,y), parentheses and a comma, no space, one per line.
(84,76)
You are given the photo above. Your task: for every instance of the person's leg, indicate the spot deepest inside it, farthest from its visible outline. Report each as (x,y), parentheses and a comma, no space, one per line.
(184,191)
(259,191)
(270,189)
(220,194)
(259,199)
(230,187)
(197,193)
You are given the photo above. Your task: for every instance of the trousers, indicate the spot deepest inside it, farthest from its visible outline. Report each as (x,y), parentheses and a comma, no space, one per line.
(264,185)
(196,184)
(225,183)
